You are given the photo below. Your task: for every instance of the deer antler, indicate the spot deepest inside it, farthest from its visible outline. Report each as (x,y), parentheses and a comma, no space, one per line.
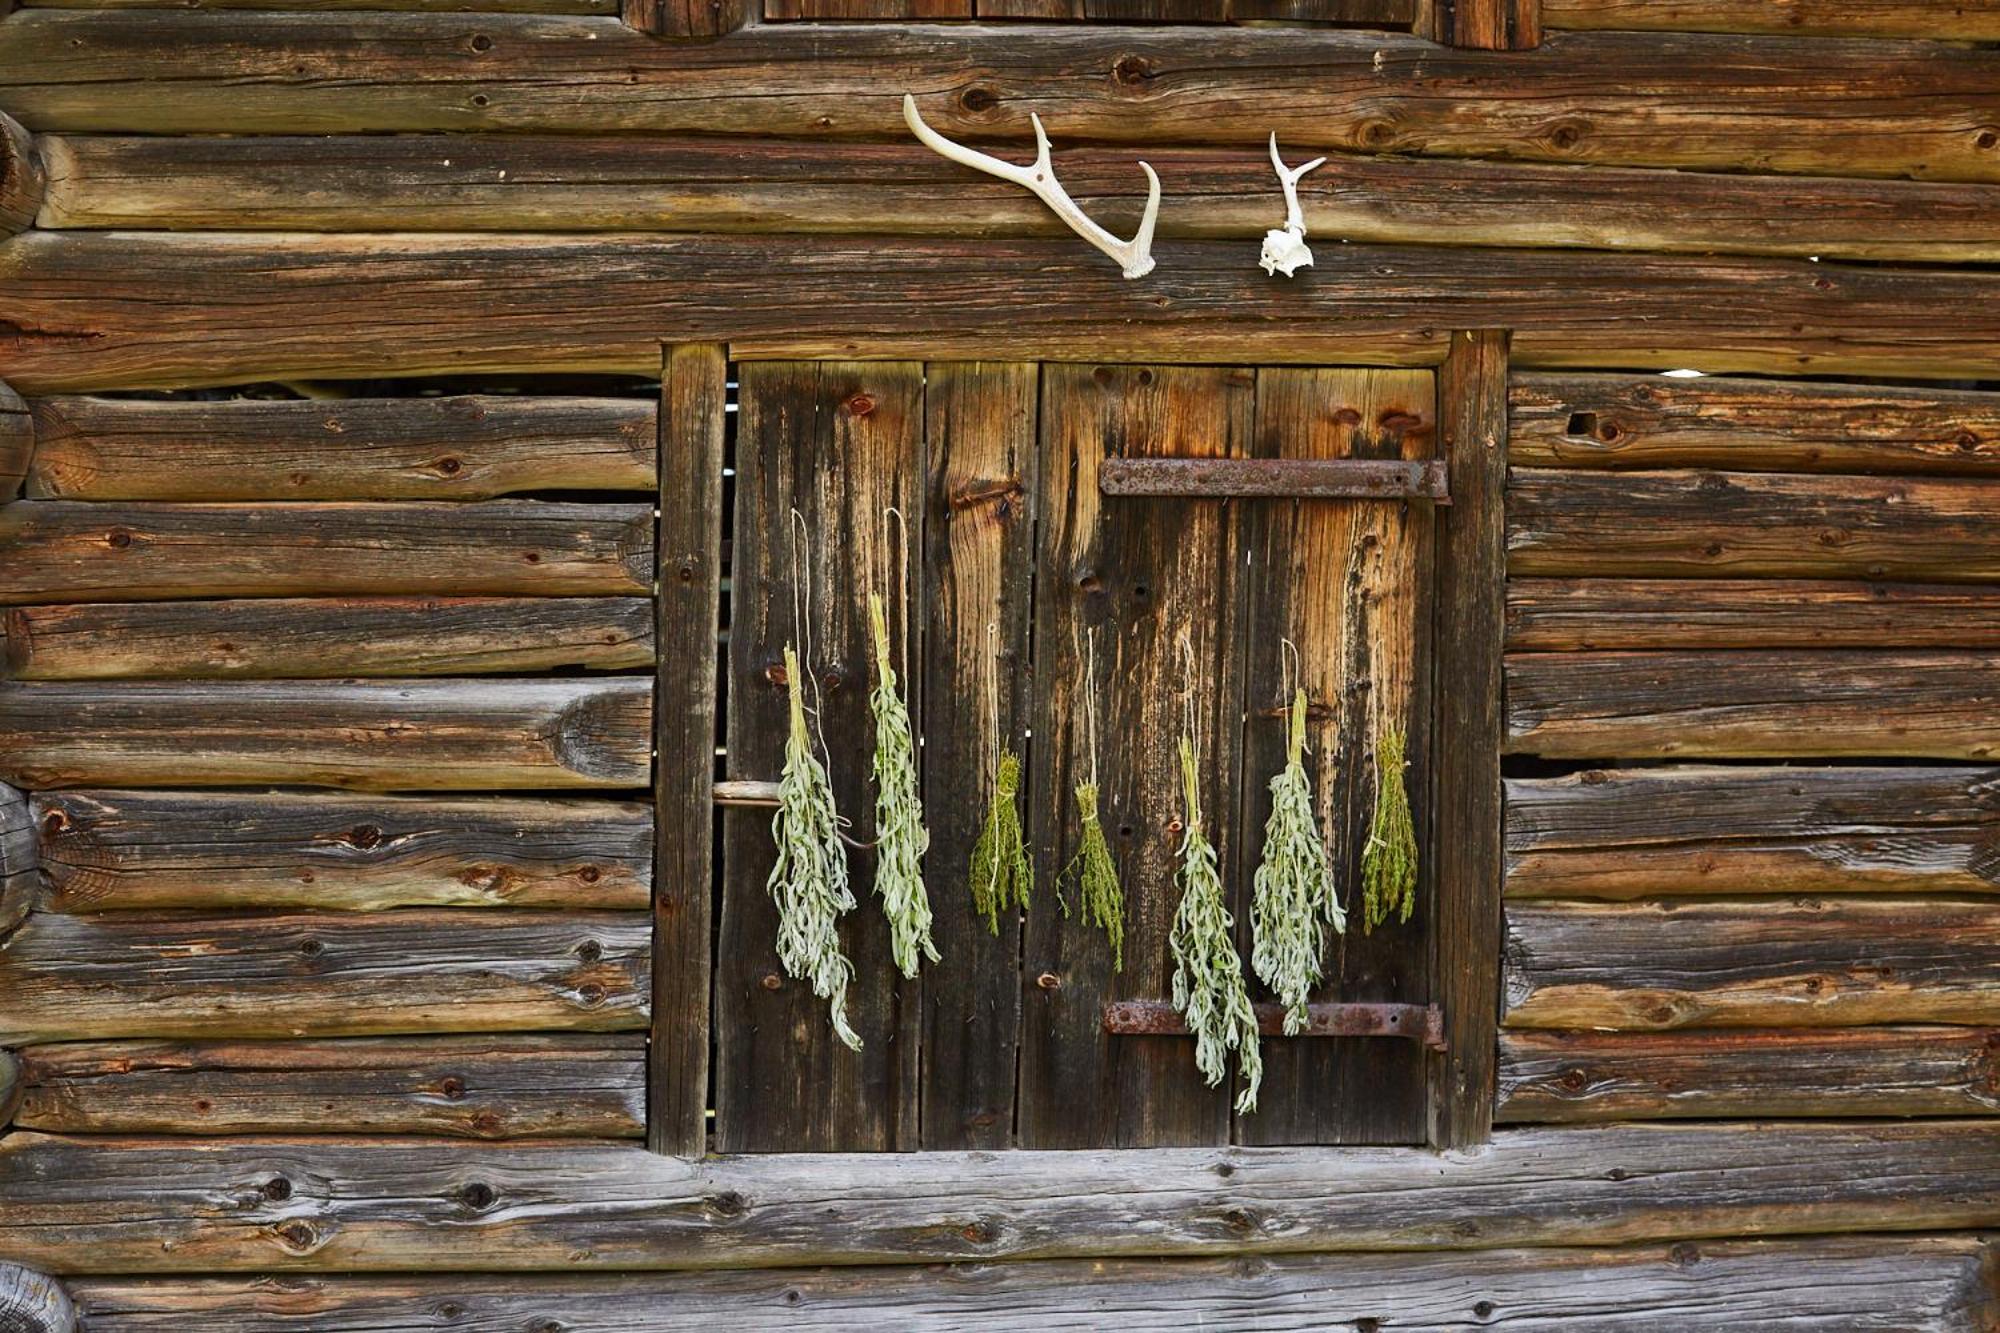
(1135,256)
(1285,248)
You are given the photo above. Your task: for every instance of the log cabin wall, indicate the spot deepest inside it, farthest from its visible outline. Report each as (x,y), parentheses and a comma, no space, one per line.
(328,825)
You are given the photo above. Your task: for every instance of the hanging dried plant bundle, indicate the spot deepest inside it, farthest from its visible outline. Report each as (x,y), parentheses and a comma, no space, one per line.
(1209,989)
(1389,861)
(900,836)
(1294,899)
(809,881)
(1095,876)
(1002,880)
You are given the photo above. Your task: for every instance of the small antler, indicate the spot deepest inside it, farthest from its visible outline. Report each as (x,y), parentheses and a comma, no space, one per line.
(1285,249)
(1135,256)
(1295,218)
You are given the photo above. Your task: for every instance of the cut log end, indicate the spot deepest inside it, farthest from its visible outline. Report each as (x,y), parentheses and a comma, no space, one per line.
(32,1302)
(22,179)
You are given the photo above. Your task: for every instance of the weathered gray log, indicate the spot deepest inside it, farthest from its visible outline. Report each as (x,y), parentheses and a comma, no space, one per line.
(479,1087)
(65,550)
(1561,615)
(11,1090)
(1802,962)
(1646,421)
(118,975)
(1933,1284)
(293,638)
(174,851)
(261,1205)
(460,448)
(315,6)
(1644,833)
(17,443)
(20,859)
(32,1302)
(22,178)
(1795,704)
(523,734)
(1574,1077)
(1962,20)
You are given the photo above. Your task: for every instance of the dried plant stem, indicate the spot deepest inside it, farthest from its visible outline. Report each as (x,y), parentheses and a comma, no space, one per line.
(1095,875)
(1293,898)
(1209,989)
(1389,861)
(900,836)
(1002,879)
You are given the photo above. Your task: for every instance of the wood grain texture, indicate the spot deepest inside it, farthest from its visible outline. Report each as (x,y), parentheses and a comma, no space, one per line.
(1485,25)
(115,975)
(687,18)
(17,443)
(32,1302)
(1930,1283)
(1569,615)
(1579,1077)
(114,851)
(468,447)
(412,735)
(23,178)
(20,861)
(1650,422)
(411,1205)
(1705,524)
(478,1087)
(285,637)
(336,6)
(876,11)
(1824,704)
(1961,20)
(1838,962)
(1642,833)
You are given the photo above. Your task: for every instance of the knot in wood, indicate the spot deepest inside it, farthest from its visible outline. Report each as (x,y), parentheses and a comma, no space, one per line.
(1134,71)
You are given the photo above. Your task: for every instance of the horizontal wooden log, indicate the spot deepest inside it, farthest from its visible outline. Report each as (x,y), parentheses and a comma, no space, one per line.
(1803,705)
(1961,20)
(415,735)
(104,851)
(1930,1283)
(1696,524)
(171,1205)
(1568,615)
(478,1087)
(66,550)
(324,637)
(117,975)
(1650,832)
(479,183)
(459,448)
(17,443)
(318,6)
(1672,100)
(1838,962)
(1577,1077)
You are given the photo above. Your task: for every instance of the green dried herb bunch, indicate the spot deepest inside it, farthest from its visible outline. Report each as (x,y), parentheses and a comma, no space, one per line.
(900,837)
(809,881)
(1092,871)
(1389,861)
(1209,989)
(1294,899)
(1002,879)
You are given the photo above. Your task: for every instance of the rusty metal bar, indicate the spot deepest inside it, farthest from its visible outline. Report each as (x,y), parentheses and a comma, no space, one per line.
(1280,478)
(1412,1022)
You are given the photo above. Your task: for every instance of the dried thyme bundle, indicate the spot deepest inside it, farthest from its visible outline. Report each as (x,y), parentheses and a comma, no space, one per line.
(1389,861)
(1208,973)
(1002,879)
(1294,898)
(900,836)
(1092,871)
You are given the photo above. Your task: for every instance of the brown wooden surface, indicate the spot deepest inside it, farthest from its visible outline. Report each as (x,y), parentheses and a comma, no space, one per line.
(17,443)
(1464,848)
(1486,25)
(1647,421)
(1287,477)
(413,735)
(1566,615)
(33,1302)
(838,441)
(1699,524)
(1358,13)
(1642,833)
(1575,1077)
(1804,704)
(1156,11)
(693,407)
(906,11)
(1837,962)
(476,1087)
(23,178)
(409,1205)
(687,18)
(1933,1283)
(314,6)
(467,447)
(20,865)
(67,550)
(82,978)
(1960,20)
(106,851)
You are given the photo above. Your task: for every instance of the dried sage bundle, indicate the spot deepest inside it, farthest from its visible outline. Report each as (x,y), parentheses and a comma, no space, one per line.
(1293,897)
(900,836)
(1389,861)
(1209,989)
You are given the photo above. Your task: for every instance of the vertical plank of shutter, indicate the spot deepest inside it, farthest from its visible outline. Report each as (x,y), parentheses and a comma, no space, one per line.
(693,399)
(1484,25)
(1140,571)
(979,537)
(1041,10)
(839,442)
(686,18)
(1466,849)
(874,11)
(17,443)
(1156,11)
(1342,580)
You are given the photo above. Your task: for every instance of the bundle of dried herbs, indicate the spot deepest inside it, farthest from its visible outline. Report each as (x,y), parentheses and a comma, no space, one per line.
(1209,989)
(1389,861)
(1002,879)
(1294,899)
(1092,872)
(900,836)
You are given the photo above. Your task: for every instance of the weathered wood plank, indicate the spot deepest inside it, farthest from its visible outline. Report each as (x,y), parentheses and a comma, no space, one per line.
(17,443)
(67,550)
(1486,25)
(477,1087)
(875,11)
(1568,615)
(1749,704)
(108,851)
(1961,20)
(1647,832)
(461,448)
(319,6)
(1574,1077)
(23,178)
(1639,421)
(1841,962)
(324,637)
(10,1087)
(686,18)
(20,860)
(1699,524)
(32,1302)
(115,975)
(171,1205)
(1355,13)
(444,735)
(1936,1284)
